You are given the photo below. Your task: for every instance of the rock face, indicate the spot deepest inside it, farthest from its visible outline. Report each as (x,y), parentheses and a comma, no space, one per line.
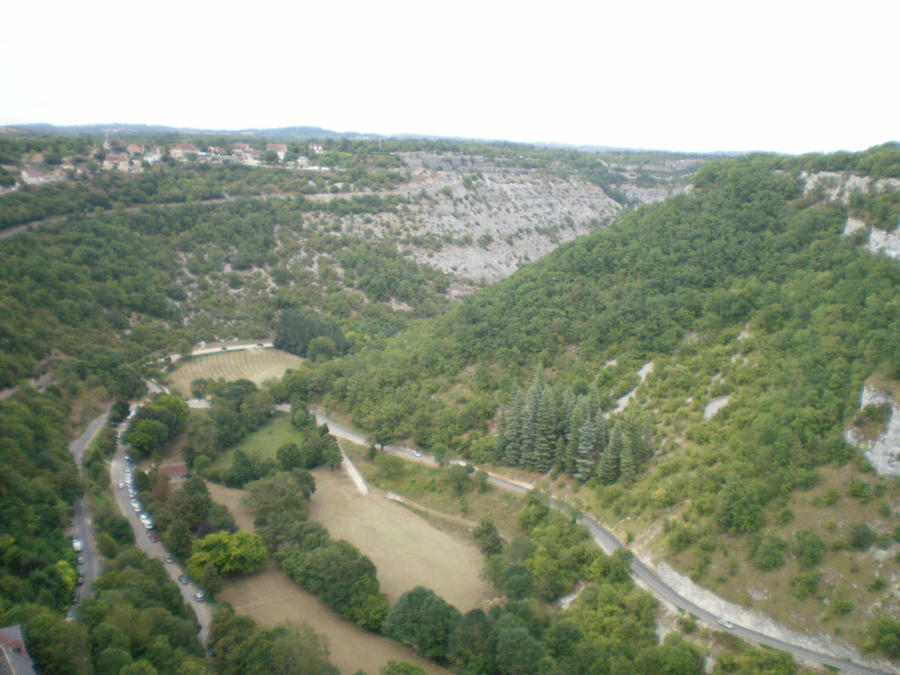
(841,187)
(482,219)
(883,453)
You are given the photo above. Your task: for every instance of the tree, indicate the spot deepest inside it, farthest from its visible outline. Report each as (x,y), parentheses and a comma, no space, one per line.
(424,620)
(458,477)
(289,456)
(584,457)
(487,537)
(610,462)
(238,553)
(809,548)
(517,651)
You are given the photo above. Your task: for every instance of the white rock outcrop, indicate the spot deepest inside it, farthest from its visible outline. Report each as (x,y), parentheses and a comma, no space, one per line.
(883,452)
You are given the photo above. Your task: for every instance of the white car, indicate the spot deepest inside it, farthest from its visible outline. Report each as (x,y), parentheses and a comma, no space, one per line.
(415,453)
(725,623)
(76,544)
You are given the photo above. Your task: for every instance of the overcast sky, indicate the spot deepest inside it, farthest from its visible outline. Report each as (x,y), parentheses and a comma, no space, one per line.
(787,76)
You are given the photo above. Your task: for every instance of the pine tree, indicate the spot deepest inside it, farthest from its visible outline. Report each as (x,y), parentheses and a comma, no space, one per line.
(545,439)
(609,463)
(587,441)
(573,435)
(602,437)
(628,467)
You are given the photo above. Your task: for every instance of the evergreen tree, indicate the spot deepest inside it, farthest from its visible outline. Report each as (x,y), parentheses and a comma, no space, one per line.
(573,436)
(543,452)
(609,463)
(628,465)
(587,440)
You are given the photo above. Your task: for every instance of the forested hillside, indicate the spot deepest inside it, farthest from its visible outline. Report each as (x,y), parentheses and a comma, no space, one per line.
(688,373)
(743,294)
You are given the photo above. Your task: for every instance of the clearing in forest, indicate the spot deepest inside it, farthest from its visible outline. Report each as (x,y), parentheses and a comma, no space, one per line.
(256,365)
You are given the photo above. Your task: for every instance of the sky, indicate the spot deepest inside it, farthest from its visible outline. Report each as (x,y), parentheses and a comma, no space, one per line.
(790,76)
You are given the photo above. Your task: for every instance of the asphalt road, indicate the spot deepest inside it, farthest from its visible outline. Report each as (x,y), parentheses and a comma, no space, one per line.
(82,523)
(154,550)
(640,571)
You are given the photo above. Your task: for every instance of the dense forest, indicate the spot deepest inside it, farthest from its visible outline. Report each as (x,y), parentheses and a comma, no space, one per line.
(590,370)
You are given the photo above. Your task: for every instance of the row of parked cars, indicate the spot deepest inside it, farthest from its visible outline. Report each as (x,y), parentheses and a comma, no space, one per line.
(146,519)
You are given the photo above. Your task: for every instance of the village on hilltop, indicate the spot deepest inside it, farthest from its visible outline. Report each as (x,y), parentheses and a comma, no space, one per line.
(116,155)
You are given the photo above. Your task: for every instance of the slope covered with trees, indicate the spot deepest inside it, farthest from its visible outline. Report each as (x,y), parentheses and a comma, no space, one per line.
(743,291)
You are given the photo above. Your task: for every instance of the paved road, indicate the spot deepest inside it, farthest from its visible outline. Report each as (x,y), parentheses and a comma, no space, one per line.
(82,523)
(608,542)
(154,550)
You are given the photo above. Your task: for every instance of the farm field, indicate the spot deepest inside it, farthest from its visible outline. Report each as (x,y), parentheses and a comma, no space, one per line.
(270,598)
(256,365)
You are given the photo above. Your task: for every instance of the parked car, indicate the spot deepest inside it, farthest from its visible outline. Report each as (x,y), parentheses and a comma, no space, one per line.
(199,597)
(169,559)
(154,537)
(182,580)
(76,544)
(725,623)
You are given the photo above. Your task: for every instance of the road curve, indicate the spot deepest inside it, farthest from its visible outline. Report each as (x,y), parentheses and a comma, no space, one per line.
(639,570)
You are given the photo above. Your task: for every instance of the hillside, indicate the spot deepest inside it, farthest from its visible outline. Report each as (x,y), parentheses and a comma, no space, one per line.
(756,322)
(158,254)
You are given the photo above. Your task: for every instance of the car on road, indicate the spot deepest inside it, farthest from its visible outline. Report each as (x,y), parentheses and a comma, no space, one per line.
(725,623)
(80,560)
(76,544)
(224,349)
(183,580)
(154,537)
(169,559)
(199,597)
(415,453)
(80,581)
(121,486)
(259,344)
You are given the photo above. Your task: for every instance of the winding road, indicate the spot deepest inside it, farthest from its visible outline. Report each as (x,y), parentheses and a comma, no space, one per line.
(642,572)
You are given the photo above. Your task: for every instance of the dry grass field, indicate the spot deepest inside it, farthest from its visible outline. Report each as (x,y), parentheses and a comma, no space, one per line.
(407,550)
(256,365)
(270,598)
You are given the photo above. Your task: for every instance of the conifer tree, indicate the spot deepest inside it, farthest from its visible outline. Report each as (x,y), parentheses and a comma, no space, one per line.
(575,421)
(545,439)
(628,466)
(587,441)
(609,463)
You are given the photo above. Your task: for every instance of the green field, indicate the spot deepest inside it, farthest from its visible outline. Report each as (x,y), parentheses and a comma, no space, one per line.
(256,365)
(263,442)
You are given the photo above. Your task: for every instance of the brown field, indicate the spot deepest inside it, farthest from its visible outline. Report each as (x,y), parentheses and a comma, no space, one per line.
(407,550)
(256,365)
(270,598)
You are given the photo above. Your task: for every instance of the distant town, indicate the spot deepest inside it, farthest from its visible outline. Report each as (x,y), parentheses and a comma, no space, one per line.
(117,155)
